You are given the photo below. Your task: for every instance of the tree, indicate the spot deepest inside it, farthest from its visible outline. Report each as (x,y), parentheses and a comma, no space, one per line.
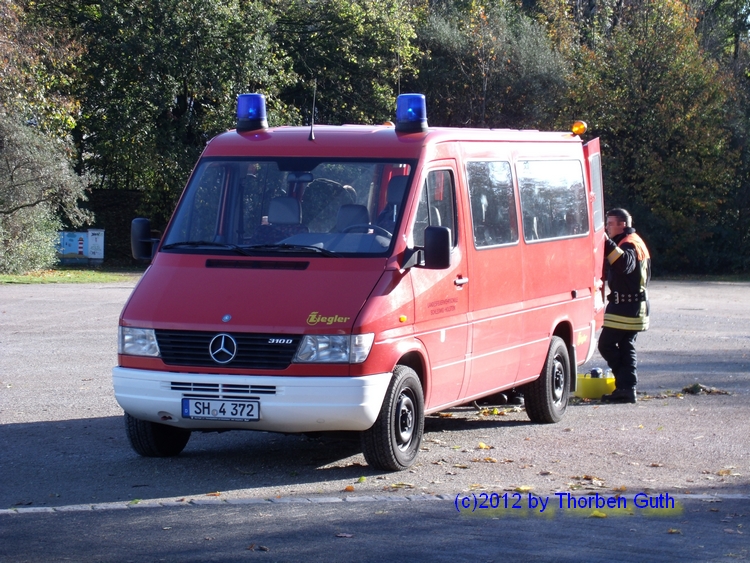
(160,79)
(490,66)
(660,108)
(354,52)
(38,70)
(37,187)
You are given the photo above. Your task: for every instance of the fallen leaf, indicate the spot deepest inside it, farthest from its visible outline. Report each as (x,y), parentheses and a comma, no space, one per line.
(656,465)
(490,460)
(620,489)
(349,489)
(362,479)
(597,514)
(724,472)
(250,547)
(445,414)
(343,535)
(263,548)
(483,446)
(402,486)
(674,531)
(461,466)
(216,494)
(523,489)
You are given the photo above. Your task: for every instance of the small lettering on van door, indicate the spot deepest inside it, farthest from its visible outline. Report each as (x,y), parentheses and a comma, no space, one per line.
(442,306)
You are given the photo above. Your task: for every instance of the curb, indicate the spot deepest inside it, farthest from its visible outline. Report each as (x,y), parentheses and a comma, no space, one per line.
(195,502)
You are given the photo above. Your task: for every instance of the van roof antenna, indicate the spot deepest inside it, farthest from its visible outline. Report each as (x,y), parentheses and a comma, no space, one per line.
(312,115)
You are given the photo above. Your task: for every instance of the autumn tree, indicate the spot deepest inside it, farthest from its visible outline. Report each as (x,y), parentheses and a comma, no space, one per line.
(659,106)
(38,187)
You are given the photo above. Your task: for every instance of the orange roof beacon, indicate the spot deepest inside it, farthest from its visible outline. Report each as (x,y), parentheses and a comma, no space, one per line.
(360,277)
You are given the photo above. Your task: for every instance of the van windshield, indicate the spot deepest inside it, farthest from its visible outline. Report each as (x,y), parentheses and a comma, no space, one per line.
(290,205)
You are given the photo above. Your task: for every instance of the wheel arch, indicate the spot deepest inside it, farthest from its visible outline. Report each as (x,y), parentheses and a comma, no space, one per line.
(416,361)
(564,330)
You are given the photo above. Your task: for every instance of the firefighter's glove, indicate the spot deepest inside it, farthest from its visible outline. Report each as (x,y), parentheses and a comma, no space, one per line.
(609,246)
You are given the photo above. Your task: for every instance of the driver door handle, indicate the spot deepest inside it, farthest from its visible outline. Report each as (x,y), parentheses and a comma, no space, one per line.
(461,281)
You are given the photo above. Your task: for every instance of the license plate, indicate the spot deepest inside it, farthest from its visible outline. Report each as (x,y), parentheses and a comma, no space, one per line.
(220,409)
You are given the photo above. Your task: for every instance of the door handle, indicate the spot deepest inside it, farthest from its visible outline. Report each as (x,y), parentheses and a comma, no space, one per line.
(461,281)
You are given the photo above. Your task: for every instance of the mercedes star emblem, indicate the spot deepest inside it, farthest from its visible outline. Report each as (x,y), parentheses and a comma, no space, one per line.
(223,348)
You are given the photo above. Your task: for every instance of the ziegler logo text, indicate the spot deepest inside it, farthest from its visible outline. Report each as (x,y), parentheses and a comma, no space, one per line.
(315,319)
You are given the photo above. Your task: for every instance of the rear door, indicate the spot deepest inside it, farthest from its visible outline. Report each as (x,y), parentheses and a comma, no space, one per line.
(592,154)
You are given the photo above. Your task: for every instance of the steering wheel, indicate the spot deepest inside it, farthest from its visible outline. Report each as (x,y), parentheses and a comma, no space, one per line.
(367,227)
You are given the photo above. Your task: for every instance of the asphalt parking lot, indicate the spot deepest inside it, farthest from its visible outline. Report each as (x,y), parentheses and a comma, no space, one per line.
(65,458)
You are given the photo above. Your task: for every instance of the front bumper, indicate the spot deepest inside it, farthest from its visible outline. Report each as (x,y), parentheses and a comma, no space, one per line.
(287,404)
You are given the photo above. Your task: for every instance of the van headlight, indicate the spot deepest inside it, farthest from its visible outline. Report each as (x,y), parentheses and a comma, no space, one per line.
(137,341)
(340,349)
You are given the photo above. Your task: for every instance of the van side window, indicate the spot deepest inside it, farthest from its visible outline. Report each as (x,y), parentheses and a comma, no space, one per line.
(437,205)
(553,199)
(493,203)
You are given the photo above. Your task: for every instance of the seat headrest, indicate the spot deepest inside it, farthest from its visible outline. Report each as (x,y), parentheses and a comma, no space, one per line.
(396,189)
(351,214)
(284,211)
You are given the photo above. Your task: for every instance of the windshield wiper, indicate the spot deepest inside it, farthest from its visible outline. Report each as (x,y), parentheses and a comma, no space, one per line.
(197,243)
(291,248)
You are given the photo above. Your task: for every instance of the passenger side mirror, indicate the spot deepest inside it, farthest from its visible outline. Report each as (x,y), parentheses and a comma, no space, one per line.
(437,248)
(141,243)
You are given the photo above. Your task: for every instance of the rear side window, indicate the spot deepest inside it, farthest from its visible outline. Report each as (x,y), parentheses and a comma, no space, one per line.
(553,199)
(493,203)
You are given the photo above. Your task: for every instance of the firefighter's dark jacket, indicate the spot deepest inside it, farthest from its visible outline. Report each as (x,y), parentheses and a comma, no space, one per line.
(628,271)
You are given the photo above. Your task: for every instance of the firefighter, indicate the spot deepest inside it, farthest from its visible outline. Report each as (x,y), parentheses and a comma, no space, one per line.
(627,268)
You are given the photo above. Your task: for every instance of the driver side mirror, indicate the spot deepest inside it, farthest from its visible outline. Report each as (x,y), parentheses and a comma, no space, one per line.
(437,248)
(142,245)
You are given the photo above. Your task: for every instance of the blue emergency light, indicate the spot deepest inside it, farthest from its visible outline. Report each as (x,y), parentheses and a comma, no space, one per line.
(251,112)
(411,113)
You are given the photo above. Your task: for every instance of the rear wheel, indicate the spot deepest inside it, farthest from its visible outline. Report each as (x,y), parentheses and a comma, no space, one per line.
(392,443)
(547,397)
(151,439)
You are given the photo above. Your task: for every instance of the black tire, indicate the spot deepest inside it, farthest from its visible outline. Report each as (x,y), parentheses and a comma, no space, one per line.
(150,439)
(392,443)
(547,397)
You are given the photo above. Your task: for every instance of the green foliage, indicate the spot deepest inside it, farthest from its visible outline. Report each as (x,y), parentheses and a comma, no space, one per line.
(354,51)
(161,79)
(38,70)
(489,66)
(658,105)
(37,188)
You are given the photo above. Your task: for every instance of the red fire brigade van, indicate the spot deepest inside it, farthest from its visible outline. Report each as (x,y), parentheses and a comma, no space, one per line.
(357,278)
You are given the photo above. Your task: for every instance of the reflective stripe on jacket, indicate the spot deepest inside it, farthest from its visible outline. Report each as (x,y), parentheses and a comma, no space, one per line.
(628,272)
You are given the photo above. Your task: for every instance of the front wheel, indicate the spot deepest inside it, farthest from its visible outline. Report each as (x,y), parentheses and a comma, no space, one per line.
(392,443)
(547,397)
(151,439)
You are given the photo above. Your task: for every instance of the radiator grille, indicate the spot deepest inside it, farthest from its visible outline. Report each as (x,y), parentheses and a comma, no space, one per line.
(254,351)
